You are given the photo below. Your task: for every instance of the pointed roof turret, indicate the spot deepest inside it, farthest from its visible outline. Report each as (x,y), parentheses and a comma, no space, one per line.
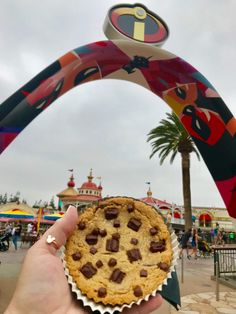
(149,192)
(149,199)
(70,190)
(100,183)
(71,183)
(90,177)
(89,184)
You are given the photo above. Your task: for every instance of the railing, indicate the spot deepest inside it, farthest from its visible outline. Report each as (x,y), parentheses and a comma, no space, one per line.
(225,261)
(28,238)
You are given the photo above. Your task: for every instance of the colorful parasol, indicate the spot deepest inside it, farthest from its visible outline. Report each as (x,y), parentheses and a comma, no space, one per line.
(16,213)
(54,216)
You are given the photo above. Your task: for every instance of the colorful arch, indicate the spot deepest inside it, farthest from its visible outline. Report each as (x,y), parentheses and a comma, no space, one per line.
(177,214)
(195,101)
(205,220)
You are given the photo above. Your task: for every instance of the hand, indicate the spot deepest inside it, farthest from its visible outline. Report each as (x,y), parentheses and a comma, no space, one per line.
(42,287)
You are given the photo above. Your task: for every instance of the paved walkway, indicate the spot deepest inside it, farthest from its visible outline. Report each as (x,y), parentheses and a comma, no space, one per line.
(197,290)
(205,303)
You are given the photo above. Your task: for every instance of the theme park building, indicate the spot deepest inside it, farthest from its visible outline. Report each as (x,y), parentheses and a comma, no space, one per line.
(88,193)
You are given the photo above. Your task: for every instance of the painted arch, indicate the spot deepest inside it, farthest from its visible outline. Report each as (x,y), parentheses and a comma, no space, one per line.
(205,219)
(194,100)
(177,214)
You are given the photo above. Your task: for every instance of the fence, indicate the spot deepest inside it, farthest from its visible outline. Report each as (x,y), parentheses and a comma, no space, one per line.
(225,256)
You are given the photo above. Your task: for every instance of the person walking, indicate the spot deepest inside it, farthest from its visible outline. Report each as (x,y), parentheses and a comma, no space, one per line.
(16,232)
(184,243)
(212,235)
(194,243)
(8,228)
(216,231)
(29,228)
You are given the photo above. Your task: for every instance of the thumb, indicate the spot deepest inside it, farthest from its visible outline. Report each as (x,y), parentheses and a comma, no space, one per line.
(61,230)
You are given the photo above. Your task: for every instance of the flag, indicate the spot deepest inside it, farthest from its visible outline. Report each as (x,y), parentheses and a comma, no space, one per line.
(148,183)
(99,178)
(71,170)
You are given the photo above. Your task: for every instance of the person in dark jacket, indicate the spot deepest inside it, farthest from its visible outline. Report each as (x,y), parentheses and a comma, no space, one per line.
(184,243)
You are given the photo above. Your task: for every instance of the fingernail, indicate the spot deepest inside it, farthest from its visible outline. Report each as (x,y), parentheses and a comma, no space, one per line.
(70,208)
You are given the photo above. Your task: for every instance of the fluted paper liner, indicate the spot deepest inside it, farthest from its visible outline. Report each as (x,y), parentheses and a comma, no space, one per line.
(111,309)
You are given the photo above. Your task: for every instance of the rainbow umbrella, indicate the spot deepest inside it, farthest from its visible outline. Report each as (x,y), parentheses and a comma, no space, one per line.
(16,213)
(53,216)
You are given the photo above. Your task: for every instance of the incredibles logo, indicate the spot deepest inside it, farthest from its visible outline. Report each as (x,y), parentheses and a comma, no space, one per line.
(135,22)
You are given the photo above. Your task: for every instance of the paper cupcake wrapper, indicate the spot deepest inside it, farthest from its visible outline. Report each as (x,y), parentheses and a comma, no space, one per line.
(111,309)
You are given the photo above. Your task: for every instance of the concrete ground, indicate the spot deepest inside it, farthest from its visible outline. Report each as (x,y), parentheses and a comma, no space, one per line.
(197,283)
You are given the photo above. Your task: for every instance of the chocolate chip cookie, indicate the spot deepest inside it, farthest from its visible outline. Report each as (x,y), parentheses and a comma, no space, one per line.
(120,252)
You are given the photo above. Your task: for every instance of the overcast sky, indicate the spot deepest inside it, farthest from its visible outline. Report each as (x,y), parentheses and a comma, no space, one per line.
(104,124)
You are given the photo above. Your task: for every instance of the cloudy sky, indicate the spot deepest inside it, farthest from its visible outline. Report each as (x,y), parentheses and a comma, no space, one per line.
(104,124)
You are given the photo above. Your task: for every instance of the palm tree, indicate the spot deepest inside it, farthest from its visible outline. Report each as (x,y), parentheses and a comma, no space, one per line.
(170,138)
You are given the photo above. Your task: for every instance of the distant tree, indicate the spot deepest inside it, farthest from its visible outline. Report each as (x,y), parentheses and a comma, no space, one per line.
(11,198)
(45,204)
(35,205)
(39,204)
(17,197)
(52,204)
(171,138)
(4,199)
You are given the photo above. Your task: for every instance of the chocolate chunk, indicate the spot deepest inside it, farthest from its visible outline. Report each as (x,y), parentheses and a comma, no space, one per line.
(76,256)
(112,262)
(91,239)
(134,224)
(111,213)
(116,223)
(93,250)
(117,275)
(99,263)
(96,231)
(116,236)
(163,266)
(153,231)
(130,208)
(112,245)
(88,270)
(157,246)
(103,233)
(81,225)
(102,292)
(143,273)
(134,255)
(134,241)
(138,291)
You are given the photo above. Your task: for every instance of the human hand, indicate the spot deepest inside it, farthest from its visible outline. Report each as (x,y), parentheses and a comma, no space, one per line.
(42,287)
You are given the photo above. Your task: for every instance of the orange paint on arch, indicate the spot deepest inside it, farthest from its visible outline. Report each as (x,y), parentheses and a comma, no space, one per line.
(231,126)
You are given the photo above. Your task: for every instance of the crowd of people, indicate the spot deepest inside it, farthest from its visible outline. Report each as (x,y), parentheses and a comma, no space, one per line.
(199,242)
(15,232)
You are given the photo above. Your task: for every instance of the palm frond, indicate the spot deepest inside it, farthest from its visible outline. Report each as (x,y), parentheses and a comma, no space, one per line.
(168,137)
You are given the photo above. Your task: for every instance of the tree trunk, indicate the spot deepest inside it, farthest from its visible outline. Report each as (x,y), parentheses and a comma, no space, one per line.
(186,189)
